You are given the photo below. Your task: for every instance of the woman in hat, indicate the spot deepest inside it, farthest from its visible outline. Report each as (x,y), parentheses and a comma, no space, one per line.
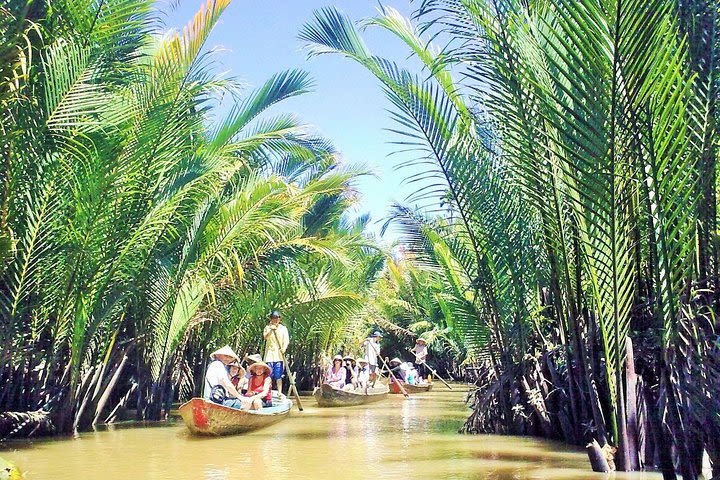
(421,352)
(259,389)
(335,376)
(218,386)
(398,369)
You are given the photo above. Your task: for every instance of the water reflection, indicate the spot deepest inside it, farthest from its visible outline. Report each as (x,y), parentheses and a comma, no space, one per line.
(394,439)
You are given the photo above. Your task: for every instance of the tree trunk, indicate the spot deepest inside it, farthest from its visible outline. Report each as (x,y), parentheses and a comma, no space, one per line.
(26,424)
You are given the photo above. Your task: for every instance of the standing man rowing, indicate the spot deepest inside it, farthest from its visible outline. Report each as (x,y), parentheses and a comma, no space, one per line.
(276,332)
(371,345)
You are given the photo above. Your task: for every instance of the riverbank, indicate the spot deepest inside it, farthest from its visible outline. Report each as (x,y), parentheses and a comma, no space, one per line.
(395,439)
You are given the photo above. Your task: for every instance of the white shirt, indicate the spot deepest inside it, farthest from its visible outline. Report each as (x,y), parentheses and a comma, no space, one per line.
(372,350)
(420,352)
(273,351)
(363,375)
(215,374)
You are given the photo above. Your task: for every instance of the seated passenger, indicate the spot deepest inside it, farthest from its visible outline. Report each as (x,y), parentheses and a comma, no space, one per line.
(335,376)
(363,374)
(350,371)
(398,369)
(411,374)
(218,387)
(249,360)
(259,390)
(237,377)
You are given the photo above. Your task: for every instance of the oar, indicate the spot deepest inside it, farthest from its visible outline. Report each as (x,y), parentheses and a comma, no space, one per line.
(393,378)
(431,369)
(290,375)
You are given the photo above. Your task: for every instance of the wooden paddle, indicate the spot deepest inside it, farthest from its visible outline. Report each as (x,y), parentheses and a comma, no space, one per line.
(431,369)
(393,378)
(290,375)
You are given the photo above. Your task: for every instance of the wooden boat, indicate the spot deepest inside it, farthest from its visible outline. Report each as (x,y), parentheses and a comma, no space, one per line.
(328,396)
(204,417)
(394,389)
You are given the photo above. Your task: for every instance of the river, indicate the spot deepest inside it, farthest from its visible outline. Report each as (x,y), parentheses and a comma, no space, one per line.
(399,438)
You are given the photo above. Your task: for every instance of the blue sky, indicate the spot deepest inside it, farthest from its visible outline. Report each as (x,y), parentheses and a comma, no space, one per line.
(259,38)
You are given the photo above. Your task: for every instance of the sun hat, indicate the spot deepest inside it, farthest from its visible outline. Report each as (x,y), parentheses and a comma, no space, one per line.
(377,333)
(395,360)
(421,340)
(262,365)
(275,314)
(362,360)
(226,350)
(337,357)
(254,358)
(349,357)
(240,367)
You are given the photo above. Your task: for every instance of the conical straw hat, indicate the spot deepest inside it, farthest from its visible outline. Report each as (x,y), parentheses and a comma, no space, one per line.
(262,365)
(226,350)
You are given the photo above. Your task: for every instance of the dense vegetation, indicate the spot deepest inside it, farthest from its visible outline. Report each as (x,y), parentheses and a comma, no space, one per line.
(150,211)
(564,243)
(569,229)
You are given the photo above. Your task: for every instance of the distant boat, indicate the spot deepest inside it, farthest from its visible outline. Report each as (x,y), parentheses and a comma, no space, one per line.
(328,396)
(204,417)
(394,389)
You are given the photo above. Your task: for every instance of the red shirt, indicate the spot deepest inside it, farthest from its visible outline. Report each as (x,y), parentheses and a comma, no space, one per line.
(256,385)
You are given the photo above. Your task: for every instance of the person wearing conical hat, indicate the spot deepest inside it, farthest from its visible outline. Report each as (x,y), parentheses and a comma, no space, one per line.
(259,390)
(363,374)
(218,385)
(420,351)
(277,340)
(398,369)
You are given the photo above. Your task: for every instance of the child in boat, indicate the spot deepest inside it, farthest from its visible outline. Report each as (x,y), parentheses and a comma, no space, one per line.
(335,376)
(259,390)
(237,377)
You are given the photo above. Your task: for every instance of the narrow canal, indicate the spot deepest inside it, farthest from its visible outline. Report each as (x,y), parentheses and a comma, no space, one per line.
(399,438)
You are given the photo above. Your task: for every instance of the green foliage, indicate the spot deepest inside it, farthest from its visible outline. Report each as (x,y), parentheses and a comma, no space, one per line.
(134,226)
(571,166)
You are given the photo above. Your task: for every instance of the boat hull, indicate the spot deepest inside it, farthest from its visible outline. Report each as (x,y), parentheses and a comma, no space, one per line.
(327,396)
(394,389)
(203,417)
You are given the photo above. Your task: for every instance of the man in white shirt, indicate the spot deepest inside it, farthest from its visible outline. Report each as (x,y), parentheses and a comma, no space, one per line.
(277,340)
(371,346)
(363,374)
(218,386)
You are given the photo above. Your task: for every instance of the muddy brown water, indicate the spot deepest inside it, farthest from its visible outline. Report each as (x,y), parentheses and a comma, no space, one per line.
(398,438)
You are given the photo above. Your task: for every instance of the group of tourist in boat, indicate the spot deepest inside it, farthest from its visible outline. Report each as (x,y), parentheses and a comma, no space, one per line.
(228,383)
(349,374)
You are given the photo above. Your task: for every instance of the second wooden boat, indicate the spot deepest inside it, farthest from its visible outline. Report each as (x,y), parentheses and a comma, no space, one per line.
(394,389)
(204,417)
(328,396)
